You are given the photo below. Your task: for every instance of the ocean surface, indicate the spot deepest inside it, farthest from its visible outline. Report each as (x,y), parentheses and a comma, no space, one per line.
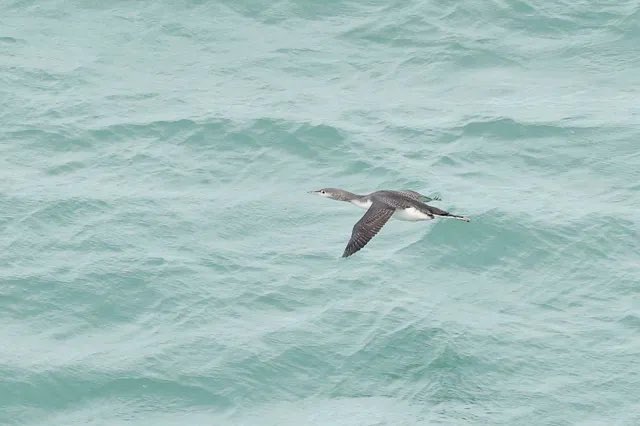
(162,262)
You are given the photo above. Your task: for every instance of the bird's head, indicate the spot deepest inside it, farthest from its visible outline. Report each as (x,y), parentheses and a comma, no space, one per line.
(334,194)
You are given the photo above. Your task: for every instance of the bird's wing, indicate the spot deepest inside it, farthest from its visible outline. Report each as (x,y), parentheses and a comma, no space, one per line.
(419,197)
(368,226)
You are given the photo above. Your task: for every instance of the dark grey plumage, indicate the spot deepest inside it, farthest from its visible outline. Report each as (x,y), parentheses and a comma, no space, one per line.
(417,196)
(367,227)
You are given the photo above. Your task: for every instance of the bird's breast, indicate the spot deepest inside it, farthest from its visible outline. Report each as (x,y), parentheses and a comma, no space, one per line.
(410,214)
(361,204)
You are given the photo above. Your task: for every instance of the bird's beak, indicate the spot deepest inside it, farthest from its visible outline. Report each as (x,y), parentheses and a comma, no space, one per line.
(313,192)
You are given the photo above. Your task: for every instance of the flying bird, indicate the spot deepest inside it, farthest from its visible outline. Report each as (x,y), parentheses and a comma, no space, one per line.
(381,206)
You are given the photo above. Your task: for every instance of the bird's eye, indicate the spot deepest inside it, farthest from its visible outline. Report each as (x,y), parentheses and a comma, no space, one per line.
(322,192)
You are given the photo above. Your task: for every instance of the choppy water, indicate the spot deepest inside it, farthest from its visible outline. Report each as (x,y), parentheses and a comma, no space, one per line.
(161,262)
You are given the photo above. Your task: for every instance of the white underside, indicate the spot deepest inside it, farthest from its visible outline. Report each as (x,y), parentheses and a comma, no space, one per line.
(410,214)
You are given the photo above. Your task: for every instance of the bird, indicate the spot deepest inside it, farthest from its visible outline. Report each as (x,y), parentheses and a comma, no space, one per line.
(381,206)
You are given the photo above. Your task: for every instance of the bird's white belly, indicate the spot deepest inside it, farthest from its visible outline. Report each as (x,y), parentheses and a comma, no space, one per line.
(410,214)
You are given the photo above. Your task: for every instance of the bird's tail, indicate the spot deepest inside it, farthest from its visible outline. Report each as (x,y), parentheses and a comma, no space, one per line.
(454,216)
(441,213)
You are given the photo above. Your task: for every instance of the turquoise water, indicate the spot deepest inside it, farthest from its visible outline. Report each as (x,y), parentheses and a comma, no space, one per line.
(162,263)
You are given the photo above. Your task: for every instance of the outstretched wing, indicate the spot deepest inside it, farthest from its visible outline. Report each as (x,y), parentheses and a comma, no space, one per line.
(418,196)
(367,227)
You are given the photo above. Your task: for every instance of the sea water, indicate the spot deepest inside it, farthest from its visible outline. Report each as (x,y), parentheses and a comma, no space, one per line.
(162,263)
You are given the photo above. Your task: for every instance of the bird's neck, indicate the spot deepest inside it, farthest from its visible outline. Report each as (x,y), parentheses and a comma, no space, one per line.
(361,201)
